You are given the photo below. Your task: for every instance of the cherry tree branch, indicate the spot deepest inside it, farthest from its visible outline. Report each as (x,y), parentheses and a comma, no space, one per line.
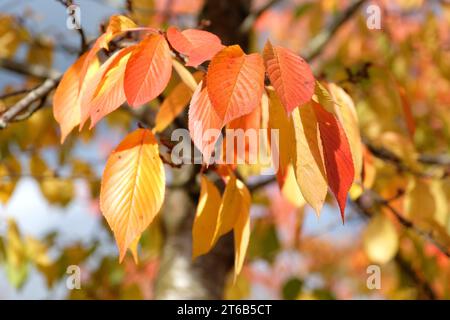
(26,104)
(83,40)
(319,42)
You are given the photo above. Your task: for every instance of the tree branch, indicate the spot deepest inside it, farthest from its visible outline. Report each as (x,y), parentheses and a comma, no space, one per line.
(370,198)
(83,40)
(319,42)
(26,103)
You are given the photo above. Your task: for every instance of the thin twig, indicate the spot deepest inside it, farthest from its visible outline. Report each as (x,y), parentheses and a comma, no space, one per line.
(83,40)
(26,103)
(249,21)
(318,43)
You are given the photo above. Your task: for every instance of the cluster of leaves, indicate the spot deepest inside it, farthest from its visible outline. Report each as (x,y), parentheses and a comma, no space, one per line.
(313,130)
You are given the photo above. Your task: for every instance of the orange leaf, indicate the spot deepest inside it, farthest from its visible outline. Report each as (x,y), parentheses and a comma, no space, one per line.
(117,24)
(290,75)
(90,85)
(132,189)
(336,151)
(235,83)
(148,70)
(204,123)
(197,45)
(109,93)
(66,105)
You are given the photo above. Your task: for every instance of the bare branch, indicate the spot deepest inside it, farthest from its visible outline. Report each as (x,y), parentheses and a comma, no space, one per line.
(26,103)
(83,40)
(34,70)
(248,22)
(319,42)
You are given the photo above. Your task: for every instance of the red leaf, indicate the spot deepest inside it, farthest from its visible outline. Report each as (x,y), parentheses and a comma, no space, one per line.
(148,70)
(235,83)
(197,45)
(337,155)
(290,75)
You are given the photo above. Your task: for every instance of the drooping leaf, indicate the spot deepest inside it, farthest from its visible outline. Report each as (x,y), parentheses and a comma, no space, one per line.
(204,123)
(284,150)
(337,155)
(110,93)
(308,162)
(234,214)
(235,83)
(197,45)
(133,186)
(205,218)
(346,113)
(148,70)
(247,125)
(174,103)
(117,25)
(66,101)
(290,75)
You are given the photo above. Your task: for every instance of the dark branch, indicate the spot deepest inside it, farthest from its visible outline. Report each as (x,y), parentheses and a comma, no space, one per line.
(370,198)
(83,40)
(26,104)
(318,43)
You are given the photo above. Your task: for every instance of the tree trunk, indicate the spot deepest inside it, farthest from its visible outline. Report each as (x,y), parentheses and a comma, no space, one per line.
(179,276)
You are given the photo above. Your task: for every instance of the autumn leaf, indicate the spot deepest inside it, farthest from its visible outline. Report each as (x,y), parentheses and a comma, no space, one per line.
(117,25)
(290,75)
(204,123)
(197,45)
(174,103)
(308,161)
(66,101)
(234,214)
(235,83)
(337,156)
(132,189)
(205,218)
(345,111)
(148,70)
(109,93)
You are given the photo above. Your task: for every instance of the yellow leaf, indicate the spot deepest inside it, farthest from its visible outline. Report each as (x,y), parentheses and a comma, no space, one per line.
(9,174)
(285,146)
(16,256)
(234,214)
(205,218)
(380,239)
(241,228)
(174,103)
(308,162)
(133,186)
